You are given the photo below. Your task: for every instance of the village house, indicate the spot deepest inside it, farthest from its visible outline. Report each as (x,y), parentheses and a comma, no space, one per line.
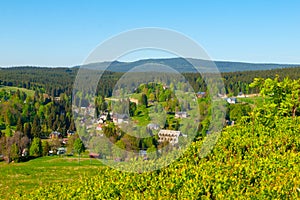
(169,136)
(56,98)
(201,94)
(94,155)
(83,108)
(222,95)
(61,151)
(120,118)
(89,126)
(231,100)
(25,152)
(165,87)
(102,118)
(229,123)
(241,95)
(70,133)
(99,127)
(55,134)
(65,141)
(100,121)
(143,153)
(136,101)
(181,115)
(153,126)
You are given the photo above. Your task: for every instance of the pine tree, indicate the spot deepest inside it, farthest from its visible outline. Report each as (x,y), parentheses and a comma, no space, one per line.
(19,126)
(72,125)
(36,128)
(45,147)
(27,130)
(144,100)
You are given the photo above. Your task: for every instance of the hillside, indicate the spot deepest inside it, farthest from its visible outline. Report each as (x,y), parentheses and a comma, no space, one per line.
(184,65)
(14,89)
(256,158)
(246,163)
(179,64)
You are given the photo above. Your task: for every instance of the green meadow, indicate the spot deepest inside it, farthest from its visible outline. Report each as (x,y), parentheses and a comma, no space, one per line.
(14,89)
(20,178)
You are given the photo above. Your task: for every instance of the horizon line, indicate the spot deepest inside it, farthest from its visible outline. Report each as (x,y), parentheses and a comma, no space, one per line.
(144,59)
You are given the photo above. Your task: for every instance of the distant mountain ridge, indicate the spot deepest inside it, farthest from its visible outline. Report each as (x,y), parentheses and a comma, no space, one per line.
(179,64)
(184,65)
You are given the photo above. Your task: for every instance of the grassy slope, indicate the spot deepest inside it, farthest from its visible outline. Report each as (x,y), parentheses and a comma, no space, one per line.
(18,177)
(252,100)
(9,88)
(246,163)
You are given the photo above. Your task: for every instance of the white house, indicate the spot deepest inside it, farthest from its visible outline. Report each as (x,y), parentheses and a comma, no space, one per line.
(100,121)
(103,117)
(99,127)
(181,115)
(169,136)
(231,100)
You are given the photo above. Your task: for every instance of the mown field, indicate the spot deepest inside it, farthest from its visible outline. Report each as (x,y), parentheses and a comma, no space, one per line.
(20,178)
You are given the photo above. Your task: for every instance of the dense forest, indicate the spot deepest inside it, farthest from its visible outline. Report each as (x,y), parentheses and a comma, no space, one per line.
(55,81)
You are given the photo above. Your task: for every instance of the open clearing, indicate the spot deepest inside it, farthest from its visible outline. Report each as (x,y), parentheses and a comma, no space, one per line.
(14,89)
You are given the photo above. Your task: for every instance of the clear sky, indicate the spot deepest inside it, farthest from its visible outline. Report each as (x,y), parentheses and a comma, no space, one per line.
(64,32)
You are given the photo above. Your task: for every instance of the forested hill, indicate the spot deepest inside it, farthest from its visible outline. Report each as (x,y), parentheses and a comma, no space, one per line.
(184,65)
(55,81)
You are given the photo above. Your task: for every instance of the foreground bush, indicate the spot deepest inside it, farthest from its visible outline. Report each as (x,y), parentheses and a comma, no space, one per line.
(248,162)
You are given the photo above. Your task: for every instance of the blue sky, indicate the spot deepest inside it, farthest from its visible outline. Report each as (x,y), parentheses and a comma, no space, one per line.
(63,33)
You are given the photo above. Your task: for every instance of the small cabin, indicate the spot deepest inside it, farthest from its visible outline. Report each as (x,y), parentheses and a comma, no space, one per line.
(153,126)
(61,151)
(55,134)
(231,100)
(201,94)
(181,115)
(120,118)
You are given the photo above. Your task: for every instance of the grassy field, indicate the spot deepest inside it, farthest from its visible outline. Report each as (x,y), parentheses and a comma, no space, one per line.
(256,100)
(19,178)
(142,119)
(9,88)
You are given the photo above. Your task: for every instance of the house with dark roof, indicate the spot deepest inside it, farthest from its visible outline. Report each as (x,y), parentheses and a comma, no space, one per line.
(70,133)
(153,126)
(120,118)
